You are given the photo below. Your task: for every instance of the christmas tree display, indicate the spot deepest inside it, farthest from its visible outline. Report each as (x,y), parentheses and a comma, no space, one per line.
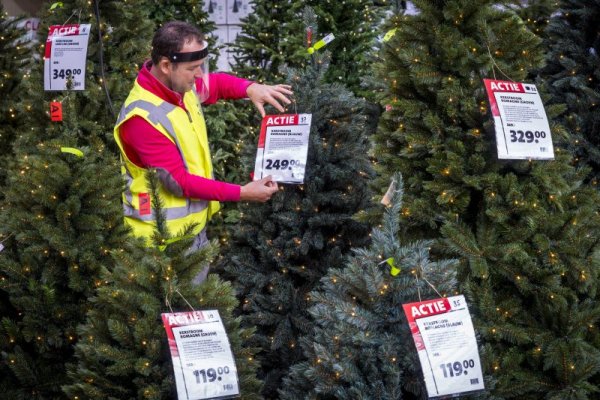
(123,352)
(61,213)
(281,249)
(269,39)
(572,77)
(362,346)
(525,230)
(13,70)
(61,216)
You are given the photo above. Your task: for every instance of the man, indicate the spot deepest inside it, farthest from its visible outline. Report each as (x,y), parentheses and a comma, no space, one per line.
(161,126)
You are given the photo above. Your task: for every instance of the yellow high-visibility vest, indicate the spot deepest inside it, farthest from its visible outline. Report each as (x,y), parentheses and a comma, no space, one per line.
(187,130)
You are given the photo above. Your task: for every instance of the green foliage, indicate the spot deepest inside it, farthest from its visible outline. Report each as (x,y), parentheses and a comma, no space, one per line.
(61,214)
(572,77)
(526,231)
(60,217)
(282,248)
(124,353)
(275,34)
(535,14)
(13,67)
(362,346)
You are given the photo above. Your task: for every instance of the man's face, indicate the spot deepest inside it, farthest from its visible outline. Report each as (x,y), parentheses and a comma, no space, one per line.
(183,75)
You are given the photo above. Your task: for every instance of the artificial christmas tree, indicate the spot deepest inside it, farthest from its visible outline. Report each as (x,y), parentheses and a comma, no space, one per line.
(281,249)
(526,230)
(269,39)
(124,352)
(60,218)
(362,346)
(61,212)
(572,76)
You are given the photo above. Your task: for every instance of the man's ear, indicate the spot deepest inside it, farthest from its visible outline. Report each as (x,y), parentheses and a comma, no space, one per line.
(164,65)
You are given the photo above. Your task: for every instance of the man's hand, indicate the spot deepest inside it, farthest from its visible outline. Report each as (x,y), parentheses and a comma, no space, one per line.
(273,95)
(261,190)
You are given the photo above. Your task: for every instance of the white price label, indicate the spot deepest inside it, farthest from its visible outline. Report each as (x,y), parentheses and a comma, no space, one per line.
(522,129)
(283,147)
(65,56)
(445,339)
(202,359)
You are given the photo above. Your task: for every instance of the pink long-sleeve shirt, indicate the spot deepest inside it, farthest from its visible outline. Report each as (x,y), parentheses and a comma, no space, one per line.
(147,147)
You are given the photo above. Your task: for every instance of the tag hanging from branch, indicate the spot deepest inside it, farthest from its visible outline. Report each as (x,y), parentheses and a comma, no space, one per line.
(390,34)
(321,43)
(309,34)
(387,197)
(394,271)
(72,150)
(56,111)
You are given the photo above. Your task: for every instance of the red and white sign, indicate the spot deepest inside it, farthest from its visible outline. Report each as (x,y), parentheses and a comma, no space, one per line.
(65,56)
(445,340)
(203,363)
(283,147)
(522,129)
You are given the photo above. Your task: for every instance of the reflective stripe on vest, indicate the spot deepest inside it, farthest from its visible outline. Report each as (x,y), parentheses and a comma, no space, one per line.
(156,114)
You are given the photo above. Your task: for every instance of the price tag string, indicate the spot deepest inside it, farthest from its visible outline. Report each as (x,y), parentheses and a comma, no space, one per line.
(429,283)
(71,16)
(494,61)
(110,104)
(167,302)
(433,287)
(6,238)
(184,299)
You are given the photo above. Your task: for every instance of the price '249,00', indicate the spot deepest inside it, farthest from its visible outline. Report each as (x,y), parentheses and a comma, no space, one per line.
(280,164)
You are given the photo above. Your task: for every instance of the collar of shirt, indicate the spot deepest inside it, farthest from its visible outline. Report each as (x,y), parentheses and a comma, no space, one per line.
(151,83)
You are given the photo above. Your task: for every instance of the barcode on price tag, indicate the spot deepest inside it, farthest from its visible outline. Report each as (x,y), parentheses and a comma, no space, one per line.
(522,129)
(445,339)
(283,147)
(203,363)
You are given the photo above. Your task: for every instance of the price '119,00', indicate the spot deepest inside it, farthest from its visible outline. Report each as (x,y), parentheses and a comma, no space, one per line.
(210,375)
(457,368)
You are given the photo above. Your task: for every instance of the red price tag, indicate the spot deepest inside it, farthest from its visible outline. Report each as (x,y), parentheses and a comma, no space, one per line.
(56,111)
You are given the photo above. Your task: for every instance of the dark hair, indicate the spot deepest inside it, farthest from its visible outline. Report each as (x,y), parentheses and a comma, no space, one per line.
(171,37)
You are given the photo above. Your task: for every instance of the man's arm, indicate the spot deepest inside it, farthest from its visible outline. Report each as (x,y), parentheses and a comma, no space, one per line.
(147,147)
(225,86)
